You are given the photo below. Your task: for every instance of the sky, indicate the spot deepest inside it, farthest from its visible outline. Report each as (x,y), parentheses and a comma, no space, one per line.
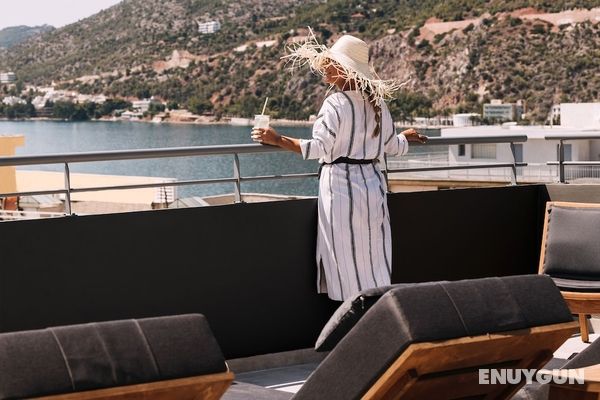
(52,12)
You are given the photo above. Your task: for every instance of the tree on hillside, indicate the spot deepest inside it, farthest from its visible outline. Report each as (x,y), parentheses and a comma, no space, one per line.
(408,105)
(199,105)
(68,111)
(111,105)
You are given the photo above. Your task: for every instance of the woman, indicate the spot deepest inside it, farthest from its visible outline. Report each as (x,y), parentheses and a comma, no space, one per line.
(352,132)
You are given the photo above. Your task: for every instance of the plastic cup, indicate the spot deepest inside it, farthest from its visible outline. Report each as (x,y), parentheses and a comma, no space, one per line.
(261,121)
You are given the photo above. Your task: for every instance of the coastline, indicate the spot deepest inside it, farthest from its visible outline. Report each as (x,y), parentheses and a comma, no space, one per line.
(200,121)
(207,121)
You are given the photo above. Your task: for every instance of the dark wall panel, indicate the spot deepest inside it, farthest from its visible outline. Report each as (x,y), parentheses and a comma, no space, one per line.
(248,267)
(465,233)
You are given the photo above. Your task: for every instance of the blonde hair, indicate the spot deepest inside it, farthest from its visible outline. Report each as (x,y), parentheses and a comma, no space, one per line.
(377,109)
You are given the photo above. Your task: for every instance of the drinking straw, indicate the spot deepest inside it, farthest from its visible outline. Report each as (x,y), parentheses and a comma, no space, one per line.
(264,107)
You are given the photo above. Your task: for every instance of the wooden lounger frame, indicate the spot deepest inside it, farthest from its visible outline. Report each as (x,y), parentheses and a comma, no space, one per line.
(205,387)
(449,369)
(589,390)
(580,303)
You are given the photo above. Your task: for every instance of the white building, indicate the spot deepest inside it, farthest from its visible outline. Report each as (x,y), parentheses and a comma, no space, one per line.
(130,115)
(90,98)
(54,96)
(208,27)
(580,115)
(554,113)
(60,95)
(467,119)
(144,105)
(12,100)
(502,111)
(576,120)
(39,102)
(536,150)
(7,77)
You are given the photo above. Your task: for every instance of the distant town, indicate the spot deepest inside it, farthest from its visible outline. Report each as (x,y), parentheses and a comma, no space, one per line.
(25,102)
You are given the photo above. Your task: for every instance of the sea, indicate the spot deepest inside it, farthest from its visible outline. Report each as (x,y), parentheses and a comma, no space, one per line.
(54,137)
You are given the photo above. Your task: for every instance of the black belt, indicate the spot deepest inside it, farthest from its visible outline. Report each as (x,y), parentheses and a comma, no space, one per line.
(346,160)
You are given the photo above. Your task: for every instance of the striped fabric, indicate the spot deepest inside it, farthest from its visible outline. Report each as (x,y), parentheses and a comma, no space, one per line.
(354,237)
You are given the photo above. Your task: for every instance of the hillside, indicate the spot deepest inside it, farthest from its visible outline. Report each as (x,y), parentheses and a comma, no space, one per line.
(135,32)
(495,49)
(503,58)
(14,35)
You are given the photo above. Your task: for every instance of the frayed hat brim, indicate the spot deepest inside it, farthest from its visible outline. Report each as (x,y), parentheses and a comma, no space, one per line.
(318,57)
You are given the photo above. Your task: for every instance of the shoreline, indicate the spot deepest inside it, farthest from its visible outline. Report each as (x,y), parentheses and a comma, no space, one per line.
(276,122)
(205,122)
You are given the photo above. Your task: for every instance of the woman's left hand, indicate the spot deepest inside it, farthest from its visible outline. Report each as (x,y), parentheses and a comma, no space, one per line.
(412,135)
(266,136)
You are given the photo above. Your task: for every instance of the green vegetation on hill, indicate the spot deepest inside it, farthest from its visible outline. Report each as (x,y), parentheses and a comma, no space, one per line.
(16,34)
(503,57)
(134,33)
(17,111)
(380,15)
(65,110)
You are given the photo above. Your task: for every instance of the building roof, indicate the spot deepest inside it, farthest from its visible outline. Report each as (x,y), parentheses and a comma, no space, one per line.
(40,201)
(532,132)
(189,202)
(47,180)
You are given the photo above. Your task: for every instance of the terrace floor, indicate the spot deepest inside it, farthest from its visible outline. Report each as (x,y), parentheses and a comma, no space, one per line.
(286,379)
(290,378)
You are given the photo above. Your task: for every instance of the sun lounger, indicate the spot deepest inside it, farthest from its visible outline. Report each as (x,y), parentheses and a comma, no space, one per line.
(590,357)
(156,358)
(570,254)
(428,341)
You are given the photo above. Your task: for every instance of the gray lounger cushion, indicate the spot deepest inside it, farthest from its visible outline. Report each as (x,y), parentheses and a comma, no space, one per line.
(100,355)
(535,390)
(348,314)
(572,250)
(588,357)
(428,312)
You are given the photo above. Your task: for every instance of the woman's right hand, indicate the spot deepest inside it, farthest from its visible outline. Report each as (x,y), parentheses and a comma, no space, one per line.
(412,135)
(266,136)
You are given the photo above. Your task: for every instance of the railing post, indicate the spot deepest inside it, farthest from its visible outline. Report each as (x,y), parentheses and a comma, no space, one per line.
(561,161)
(67,190)
(238,181)
(513,177)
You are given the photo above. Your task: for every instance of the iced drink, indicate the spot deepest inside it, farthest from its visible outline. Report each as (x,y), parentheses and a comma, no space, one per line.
(261,121)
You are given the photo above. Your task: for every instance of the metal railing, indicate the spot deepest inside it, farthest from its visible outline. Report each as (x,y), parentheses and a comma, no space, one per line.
(561,153)
(234,151)
(532,173)
(457,140)
(69,158)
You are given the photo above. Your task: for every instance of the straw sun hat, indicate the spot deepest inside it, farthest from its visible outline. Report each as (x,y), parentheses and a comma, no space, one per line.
(349,54)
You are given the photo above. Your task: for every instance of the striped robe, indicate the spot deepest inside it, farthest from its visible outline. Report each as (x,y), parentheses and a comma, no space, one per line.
(354,242)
